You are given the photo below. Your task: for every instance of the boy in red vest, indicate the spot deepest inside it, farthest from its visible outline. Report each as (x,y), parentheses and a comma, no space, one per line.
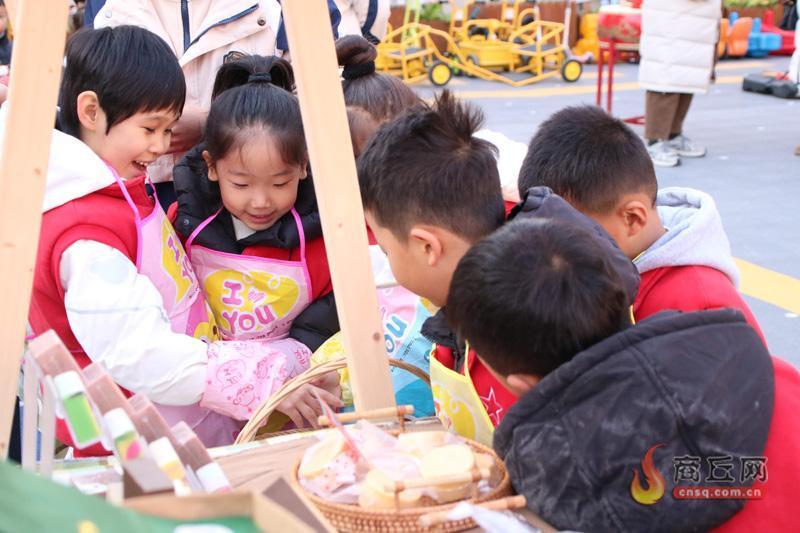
(674,236)
(112,278)
(430,189)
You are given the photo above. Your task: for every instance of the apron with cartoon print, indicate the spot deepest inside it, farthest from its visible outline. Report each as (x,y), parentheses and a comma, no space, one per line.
(255,299)
(161,257)
(458,404)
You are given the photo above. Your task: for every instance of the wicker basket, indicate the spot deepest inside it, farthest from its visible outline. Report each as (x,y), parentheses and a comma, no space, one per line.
(260,416)
(354,518)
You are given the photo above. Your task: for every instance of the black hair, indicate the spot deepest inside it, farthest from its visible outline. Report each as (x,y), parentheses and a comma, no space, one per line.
(534,294)
(382,95)
(362,127)
(589,158)
(131,70)
(254,92)
(426,167)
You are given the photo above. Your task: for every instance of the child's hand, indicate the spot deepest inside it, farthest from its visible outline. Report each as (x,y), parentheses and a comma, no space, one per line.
(302,406)
(330,382)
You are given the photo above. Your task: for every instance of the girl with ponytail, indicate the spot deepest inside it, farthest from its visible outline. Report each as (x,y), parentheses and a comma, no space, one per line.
(247,211)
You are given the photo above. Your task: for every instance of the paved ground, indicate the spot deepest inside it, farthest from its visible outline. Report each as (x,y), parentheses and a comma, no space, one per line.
(750,170)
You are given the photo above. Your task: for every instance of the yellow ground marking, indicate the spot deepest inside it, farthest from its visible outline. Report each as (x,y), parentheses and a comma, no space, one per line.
(570,90)
(769,286)
(736,65)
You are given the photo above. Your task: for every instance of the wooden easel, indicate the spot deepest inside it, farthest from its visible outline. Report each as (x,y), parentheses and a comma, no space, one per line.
(38,52)
(328,138)
(36,69)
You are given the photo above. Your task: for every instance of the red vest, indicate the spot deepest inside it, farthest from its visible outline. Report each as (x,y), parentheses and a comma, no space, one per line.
(103,216)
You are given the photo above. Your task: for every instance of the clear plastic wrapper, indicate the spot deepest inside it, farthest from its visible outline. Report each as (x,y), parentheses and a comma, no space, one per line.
(334,471)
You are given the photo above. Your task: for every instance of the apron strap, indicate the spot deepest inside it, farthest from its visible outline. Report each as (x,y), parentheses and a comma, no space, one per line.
(200,228)
(125,194)
(302,235)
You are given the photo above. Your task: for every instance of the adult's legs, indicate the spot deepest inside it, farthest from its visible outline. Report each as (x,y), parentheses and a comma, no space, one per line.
(659,115)
(677,141)
(684,101)
(660,112)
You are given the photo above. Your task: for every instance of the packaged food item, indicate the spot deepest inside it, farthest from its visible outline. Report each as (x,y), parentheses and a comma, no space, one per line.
(419,443)
(374,493)
(197,460)
(452,459)
(78,412)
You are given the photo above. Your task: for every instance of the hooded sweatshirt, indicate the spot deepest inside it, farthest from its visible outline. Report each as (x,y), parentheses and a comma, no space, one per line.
(691,385)
(690,267)
(198,199)
(87,288)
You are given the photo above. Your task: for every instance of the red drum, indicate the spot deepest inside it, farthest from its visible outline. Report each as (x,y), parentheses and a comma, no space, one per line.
(620,24)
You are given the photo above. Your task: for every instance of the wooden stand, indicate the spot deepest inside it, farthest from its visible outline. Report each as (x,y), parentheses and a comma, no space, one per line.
(613,48)
(31,109)
(339,199)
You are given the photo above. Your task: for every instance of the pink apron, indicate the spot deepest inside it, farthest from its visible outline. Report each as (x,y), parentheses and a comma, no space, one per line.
(253,299)
(161,257)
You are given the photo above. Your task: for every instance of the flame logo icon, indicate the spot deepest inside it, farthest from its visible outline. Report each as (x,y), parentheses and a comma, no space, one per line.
(655,481)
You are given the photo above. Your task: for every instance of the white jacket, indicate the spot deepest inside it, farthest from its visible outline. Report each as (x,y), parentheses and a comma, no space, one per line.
(354,16)
(216,28)
(678,44)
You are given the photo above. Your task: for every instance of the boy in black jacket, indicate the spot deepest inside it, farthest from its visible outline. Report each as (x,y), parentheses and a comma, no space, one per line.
(548,314)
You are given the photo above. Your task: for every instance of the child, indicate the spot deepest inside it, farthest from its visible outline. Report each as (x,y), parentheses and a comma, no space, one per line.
(548,314)
(247,209)
(111,276)
(447,179)
(384,97)
(6,45)
(674,236)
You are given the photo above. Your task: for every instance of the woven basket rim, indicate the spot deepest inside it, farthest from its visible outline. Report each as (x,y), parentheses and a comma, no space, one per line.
(415,512)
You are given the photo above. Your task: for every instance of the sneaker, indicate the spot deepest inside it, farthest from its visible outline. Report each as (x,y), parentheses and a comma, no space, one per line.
(663,155)
(686,148)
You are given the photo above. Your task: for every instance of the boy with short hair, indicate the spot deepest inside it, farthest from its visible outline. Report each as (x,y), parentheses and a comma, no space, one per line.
(430,189)
(674,236)
(547,313)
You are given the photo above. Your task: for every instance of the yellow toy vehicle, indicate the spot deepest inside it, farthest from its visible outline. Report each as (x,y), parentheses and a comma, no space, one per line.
(535,49)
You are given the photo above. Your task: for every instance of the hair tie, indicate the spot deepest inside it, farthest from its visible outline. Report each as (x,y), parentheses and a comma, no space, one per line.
(259,77)
(352,72)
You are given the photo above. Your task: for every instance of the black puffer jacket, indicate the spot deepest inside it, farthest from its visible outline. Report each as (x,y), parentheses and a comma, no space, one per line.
(198,198)
(701,384)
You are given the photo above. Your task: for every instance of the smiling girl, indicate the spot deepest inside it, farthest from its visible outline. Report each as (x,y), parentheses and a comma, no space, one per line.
(247,210)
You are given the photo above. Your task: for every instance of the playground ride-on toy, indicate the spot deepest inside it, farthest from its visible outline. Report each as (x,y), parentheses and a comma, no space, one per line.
(464,23)
(535,49)
(786,35)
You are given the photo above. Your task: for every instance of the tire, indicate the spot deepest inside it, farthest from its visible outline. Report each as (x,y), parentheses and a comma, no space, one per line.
(440,73)
(571,70)
(471,60)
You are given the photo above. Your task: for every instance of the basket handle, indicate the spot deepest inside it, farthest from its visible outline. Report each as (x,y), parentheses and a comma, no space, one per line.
(265,410)
(374,414)
(504,504)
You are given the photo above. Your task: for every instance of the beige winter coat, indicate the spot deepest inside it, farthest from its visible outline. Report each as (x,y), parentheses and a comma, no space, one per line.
(216,28)
(678,44)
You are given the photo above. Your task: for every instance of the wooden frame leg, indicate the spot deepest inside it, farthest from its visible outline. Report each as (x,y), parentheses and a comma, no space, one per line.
(31,110)
(319,90)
